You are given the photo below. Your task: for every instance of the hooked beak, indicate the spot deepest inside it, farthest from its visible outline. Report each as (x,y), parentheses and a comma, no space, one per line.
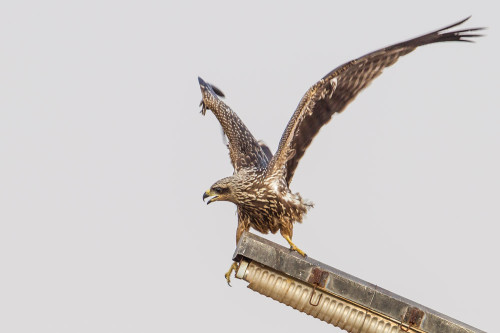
(207,194)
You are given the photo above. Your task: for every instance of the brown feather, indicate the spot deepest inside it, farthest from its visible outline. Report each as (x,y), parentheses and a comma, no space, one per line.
(244,150)
(260,184)
(338,88)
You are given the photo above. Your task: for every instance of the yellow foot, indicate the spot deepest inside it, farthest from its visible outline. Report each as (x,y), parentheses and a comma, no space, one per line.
(293,247)
(233,267)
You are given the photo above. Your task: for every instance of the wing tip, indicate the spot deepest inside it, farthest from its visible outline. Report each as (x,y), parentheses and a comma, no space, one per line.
(210,87)
(202,83)
(445,34)
(458,35)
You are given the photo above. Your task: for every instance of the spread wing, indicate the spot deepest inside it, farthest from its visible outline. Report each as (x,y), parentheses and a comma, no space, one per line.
(244,150)
(337,89)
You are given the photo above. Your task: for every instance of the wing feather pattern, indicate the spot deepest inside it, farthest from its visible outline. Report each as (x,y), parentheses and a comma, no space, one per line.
(337,89)
(244,150)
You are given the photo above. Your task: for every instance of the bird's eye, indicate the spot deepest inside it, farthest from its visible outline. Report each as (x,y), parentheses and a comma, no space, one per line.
(217,190)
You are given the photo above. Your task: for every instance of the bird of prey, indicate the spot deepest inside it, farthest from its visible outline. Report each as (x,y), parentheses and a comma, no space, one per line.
(260,184)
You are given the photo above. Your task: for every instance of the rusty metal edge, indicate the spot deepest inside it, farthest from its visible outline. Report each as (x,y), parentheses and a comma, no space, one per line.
(375,299)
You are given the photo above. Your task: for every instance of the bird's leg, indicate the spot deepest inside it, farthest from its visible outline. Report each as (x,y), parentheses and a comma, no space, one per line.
(293,247)
(233,267)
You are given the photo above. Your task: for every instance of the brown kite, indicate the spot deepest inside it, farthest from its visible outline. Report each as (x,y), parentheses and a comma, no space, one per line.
(259,186)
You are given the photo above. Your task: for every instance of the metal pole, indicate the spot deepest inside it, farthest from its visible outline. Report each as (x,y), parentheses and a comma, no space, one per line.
(331,295)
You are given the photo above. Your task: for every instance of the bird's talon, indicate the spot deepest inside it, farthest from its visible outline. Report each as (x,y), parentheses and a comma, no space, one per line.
(233,267)
(228,279)
(203,107)
(299,251)
(293,247)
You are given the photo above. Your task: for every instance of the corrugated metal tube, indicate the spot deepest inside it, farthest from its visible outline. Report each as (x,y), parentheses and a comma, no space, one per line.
(314,302)
(331,295)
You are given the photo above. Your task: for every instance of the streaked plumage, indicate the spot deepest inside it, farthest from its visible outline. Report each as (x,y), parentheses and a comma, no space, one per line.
(260,183)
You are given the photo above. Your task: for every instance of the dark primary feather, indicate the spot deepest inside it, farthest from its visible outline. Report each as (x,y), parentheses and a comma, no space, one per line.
(217,91)
(337,89)
(266,150)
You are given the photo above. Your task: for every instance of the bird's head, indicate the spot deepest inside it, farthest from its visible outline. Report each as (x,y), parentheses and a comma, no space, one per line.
(221,190)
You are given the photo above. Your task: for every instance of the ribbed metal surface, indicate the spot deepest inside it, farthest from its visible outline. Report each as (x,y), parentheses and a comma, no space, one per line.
(330,309)
(347,302)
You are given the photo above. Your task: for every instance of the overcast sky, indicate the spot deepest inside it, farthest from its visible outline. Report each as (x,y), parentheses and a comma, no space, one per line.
(105,157)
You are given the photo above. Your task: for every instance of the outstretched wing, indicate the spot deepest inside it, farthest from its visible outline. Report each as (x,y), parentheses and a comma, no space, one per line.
(244,150)
(337,89)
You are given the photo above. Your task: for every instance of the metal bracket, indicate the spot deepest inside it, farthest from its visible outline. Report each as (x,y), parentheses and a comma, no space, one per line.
(412,318)
(317,278)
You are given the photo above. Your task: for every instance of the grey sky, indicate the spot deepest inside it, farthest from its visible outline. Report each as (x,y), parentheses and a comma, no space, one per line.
(105,158)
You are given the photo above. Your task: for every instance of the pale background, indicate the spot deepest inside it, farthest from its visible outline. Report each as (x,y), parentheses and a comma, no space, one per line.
(105,157)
